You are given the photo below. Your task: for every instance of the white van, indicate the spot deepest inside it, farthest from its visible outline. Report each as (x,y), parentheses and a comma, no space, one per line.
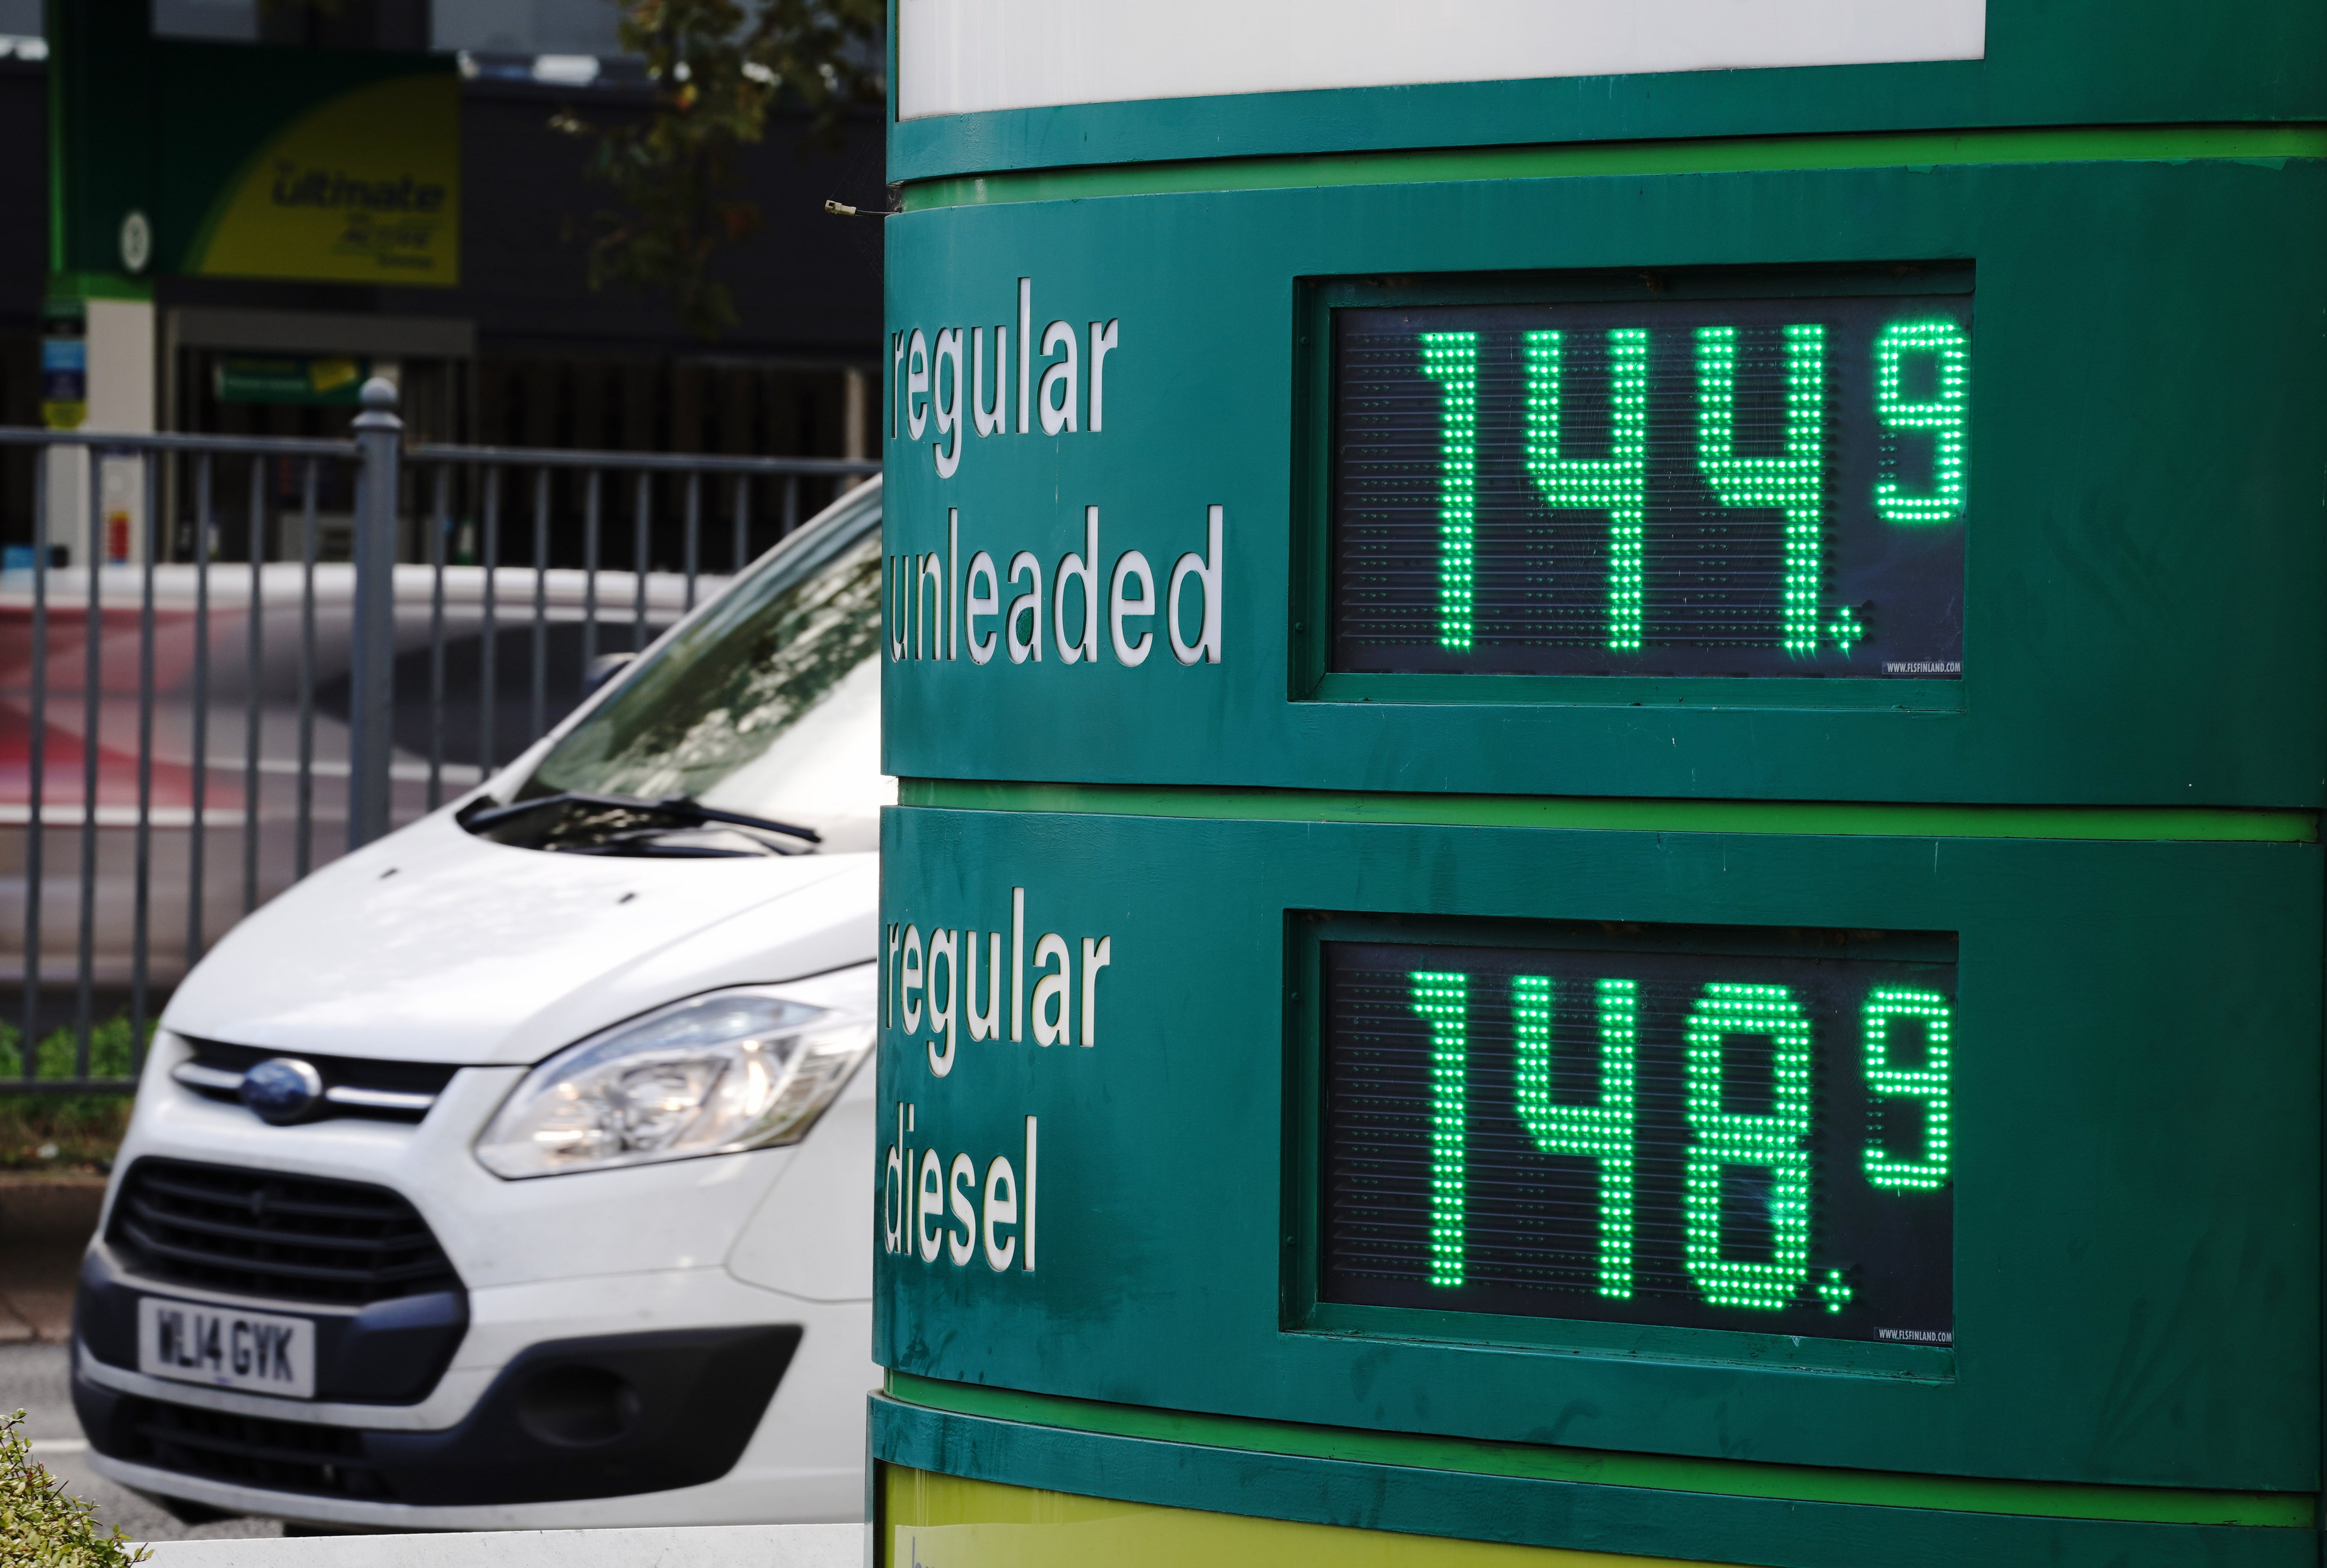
(516,1170)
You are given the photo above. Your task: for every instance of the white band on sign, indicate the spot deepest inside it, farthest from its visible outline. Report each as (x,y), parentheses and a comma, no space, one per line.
(964,56)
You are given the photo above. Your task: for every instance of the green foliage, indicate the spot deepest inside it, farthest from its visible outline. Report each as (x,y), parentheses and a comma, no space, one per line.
(109,1053)
(42,1528)
(717,67)
(64,1132)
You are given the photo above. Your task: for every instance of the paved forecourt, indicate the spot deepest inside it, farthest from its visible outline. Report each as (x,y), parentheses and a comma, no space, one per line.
(1611,743)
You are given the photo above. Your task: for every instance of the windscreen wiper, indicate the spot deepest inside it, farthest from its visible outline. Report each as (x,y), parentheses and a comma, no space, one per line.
(677,808)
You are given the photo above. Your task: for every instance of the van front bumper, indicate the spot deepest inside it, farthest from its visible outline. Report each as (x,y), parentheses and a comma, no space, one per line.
(605,1417)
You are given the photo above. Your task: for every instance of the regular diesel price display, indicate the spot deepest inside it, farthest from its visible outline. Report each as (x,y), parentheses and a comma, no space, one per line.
(1724,487)
(1742,1139)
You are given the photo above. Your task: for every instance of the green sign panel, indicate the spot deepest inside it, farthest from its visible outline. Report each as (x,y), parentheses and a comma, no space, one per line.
(1184,1068)
(325,380)
(1154,391)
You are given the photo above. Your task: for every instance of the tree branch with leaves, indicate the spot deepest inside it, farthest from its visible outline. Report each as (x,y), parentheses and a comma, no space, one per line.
(716,68)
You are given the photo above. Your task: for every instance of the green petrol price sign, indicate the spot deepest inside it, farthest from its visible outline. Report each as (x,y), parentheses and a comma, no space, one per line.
(1608,838)
(1722,487)
(1698,1128)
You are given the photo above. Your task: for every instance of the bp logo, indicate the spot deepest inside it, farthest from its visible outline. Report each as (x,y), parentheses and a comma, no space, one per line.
(137,241)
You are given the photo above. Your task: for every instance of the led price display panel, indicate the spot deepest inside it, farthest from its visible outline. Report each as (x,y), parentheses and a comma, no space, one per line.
(1662,485)
(1702,1129)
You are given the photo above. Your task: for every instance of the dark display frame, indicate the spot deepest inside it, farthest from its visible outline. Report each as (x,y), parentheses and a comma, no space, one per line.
(1709,578)
(1304,1307)
(1312,675)
(1896,1245)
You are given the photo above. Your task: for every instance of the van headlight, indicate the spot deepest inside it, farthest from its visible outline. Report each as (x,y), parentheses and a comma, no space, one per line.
(736,1069)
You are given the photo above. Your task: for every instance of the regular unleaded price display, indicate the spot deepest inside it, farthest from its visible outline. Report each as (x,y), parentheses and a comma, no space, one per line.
(1746,487)
(1731,1137)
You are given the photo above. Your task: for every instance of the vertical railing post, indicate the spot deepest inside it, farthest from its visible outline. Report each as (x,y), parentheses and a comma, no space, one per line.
(372,671)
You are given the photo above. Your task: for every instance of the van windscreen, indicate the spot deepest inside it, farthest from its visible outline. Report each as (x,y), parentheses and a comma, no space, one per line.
(768,703)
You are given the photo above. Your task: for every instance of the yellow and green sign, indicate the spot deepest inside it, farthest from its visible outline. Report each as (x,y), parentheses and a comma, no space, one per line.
(362,188)
(255,161)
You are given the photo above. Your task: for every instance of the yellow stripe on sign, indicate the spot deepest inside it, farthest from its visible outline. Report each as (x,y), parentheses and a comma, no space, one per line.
(938,1521)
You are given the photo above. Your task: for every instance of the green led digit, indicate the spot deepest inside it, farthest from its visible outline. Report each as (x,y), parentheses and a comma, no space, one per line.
(1945,414)
(1445,1000)
(1927,1083)
(1452,359)
(1794,483)
(1617,483)
(1602,1132)
(1723,1138)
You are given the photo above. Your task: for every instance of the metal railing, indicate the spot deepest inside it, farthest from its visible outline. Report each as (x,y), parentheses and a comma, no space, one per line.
(368,690)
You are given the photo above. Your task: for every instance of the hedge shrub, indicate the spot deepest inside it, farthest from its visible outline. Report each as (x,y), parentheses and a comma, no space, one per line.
(41,1526)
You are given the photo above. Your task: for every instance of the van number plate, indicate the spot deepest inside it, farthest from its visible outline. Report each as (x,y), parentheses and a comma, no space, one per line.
(225,1349)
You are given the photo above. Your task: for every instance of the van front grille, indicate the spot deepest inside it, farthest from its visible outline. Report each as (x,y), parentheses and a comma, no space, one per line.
(262,1233)
(386,1091)
(284,1456)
